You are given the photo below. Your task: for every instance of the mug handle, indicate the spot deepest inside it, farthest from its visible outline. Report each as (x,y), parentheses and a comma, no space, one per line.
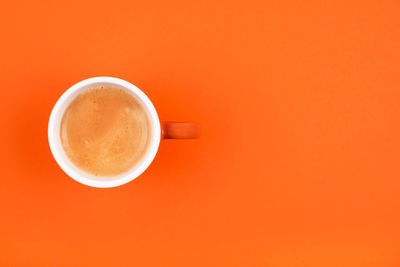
(178,130)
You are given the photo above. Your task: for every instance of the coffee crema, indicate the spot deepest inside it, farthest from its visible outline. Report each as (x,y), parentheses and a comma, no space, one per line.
(105,131)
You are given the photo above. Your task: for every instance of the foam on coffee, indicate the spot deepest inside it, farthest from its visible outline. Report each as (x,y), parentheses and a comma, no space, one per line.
(105,131)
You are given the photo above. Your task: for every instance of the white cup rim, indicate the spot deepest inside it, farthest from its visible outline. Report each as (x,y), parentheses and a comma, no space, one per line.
(79,175)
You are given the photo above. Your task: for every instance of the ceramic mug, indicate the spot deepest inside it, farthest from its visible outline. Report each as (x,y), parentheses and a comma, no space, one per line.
(167,130)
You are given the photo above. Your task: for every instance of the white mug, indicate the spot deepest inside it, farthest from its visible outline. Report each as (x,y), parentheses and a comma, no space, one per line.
(170,130)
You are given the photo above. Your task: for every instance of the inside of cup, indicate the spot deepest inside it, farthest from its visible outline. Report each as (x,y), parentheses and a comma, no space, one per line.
(80,175)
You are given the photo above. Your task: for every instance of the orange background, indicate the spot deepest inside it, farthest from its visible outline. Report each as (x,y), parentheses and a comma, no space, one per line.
(298,105)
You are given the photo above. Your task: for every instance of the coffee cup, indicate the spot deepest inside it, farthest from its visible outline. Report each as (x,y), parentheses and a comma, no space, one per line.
(159,131)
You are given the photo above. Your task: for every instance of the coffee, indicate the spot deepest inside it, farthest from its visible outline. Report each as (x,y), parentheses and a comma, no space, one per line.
(105,131)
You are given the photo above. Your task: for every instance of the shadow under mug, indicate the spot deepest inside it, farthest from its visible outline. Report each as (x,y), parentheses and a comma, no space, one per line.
(165,130)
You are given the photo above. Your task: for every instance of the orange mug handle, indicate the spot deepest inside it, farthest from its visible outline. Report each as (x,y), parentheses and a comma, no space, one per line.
(178,130)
